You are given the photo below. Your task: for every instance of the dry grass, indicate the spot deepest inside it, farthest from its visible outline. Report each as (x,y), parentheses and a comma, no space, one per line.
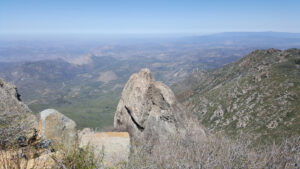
(218,152)
(78,158)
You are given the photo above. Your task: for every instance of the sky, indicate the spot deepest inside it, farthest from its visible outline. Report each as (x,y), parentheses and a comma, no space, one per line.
(147,16)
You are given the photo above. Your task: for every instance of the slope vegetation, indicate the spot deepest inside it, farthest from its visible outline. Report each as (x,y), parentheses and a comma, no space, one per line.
(257,95)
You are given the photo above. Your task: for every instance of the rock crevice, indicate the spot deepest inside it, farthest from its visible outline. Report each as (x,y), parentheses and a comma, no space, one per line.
(133,120)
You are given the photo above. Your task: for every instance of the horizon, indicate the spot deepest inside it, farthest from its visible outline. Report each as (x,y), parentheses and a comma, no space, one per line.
(141,36)
(36,18)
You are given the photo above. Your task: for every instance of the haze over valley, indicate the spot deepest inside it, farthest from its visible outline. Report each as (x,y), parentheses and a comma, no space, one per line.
(84,78)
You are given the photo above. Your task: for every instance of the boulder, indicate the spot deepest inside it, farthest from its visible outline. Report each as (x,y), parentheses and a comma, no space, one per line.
(57,127)
(113,145)
(149,111)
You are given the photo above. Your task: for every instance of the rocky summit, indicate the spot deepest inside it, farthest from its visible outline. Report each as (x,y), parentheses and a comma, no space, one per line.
(257,95)
(149,111)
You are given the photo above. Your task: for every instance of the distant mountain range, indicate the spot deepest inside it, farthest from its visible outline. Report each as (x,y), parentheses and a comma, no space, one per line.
(43,48)
(256,40)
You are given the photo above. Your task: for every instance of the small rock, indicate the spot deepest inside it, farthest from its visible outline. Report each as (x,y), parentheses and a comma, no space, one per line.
(45,144)
(22,141)
(273,124)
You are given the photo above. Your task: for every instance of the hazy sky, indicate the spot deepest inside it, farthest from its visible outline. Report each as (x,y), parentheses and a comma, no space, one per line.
(147,16)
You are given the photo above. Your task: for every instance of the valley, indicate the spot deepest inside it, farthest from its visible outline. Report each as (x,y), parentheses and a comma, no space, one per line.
(84,79)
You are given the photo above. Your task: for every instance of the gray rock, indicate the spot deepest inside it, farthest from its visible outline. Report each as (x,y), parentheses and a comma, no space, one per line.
(22,141)
(57,127)
(149,111)
(45,144)
(16,119)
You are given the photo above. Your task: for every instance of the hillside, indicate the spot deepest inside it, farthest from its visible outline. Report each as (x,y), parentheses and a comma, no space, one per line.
(160,134)
(87,88)
(258,95)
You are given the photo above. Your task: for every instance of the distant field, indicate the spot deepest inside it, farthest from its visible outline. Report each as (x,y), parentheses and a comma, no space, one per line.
(96,112)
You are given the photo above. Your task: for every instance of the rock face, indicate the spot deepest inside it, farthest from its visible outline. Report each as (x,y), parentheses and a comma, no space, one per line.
(20,143)
(149,111)
(16,119)
(114,145)
(57,127)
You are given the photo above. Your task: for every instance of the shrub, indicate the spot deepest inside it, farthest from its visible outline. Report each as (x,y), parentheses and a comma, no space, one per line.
(219,152)
(78,158)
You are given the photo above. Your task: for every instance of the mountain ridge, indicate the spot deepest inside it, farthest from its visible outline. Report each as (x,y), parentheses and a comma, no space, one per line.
(258,95)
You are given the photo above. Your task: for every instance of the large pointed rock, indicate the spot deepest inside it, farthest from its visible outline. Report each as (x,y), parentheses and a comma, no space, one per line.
(149,111)
(57,127)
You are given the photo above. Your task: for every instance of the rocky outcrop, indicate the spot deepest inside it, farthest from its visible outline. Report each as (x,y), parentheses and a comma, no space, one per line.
(17,122)
(149,111)
(114,145)
(57,127)
(20,143)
